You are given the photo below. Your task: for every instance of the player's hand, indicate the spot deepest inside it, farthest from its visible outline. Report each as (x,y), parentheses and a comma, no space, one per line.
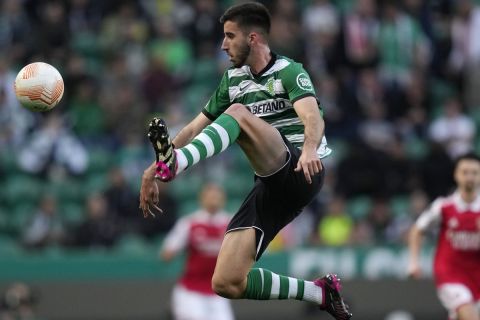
(414,271)
(309,163)
(149,193)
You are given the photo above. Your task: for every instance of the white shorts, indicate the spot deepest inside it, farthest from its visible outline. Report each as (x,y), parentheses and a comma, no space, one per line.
(191,305)
(453,296)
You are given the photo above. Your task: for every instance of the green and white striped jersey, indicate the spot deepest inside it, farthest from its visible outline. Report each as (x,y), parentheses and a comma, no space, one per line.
(269,95)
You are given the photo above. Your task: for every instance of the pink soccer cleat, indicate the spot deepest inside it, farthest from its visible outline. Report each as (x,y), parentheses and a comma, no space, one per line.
(332,300)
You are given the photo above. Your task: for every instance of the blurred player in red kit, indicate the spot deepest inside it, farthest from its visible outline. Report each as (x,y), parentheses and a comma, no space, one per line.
(457,259)
(200,234)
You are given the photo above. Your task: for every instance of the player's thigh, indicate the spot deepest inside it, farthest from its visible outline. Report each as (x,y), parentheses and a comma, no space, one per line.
(188,305)
(220,308)
(453,296)
(262,144)
(236,256)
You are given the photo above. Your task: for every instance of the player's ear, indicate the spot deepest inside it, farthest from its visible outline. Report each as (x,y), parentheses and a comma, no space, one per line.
(252,36)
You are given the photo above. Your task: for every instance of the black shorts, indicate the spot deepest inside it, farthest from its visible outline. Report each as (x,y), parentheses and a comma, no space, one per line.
(276,200)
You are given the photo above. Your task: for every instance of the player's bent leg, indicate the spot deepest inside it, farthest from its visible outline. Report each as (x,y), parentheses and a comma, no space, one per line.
(235,279)
(236,257)
(261,143)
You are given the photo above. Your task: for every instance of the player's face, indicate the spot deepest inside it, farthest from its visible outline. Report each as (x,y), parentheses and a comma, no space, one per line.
(212,199)
(235,44)
(467,175)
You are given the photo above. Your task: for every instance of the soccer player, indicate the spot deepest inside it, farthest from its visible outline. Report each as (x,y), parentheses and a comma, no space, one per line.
(457,259)
(200,234)
(265,103)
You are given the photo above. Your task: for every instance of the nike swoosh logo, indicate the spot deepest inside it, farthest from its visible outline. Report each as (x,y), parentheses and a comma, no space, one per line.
(243,85)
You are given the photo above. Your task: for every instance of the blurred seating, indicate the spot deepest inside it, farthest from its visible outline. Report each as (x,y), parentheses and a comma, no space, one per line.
(123,62)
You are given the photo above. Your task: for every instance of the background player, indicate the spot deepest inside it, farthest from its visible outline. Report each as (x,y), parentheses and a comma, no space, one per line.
(266,103)
(457,260)
(200,234)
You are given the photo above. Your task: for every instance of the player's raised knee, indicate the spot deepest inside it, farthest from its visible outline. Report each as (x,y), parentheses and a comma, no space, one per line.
(238,111)
(227,289)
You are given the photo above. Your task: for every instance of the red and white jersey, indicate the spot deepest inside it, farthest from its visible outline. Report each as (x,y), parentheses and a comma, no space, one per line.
(457,257)
(201,235)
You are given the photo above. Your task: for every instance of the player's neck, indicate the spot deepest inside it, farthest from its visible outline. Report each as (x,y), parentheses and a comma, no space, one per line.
(259,59)
(468,196)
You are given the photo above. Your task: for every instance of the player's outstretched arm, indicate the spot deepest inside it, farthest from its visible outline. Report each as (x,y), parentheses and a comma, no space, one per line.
(176,240)
(191,130)
(414,246)
(307,110)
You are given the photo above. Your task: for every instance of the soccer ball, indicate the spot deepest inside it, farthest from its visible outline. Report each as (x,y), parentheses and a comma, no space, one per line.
(39,86)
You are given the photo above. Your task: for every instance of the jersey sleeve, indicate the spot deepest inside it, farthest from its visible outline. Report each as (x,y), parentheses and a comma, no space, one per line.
(431,216)
(219,101)
(176,240)
(297,82)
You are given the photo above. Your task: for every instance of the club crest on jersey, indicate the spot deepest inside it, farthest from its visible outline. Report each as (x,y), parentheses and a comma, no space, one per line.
(270,86)
(303,81)
(452,223)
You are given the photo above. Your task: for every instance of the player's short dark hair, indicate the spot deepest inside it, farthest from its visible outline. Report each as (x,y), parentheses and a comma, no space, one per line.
(248,15)
(467,156)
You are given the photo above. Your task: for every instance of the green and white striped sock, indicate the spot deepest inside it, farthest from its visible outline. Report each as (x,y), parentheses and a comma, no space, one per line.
(263,284)
(214,139)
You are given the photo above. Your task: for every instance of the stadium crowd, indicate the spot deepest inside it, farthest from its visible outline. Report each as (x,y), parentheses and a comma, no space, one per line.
(396,80)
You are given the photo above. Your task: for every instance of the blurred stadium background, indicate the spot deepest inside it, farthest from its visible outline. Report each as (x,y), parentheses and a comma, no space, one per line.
(398,80)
